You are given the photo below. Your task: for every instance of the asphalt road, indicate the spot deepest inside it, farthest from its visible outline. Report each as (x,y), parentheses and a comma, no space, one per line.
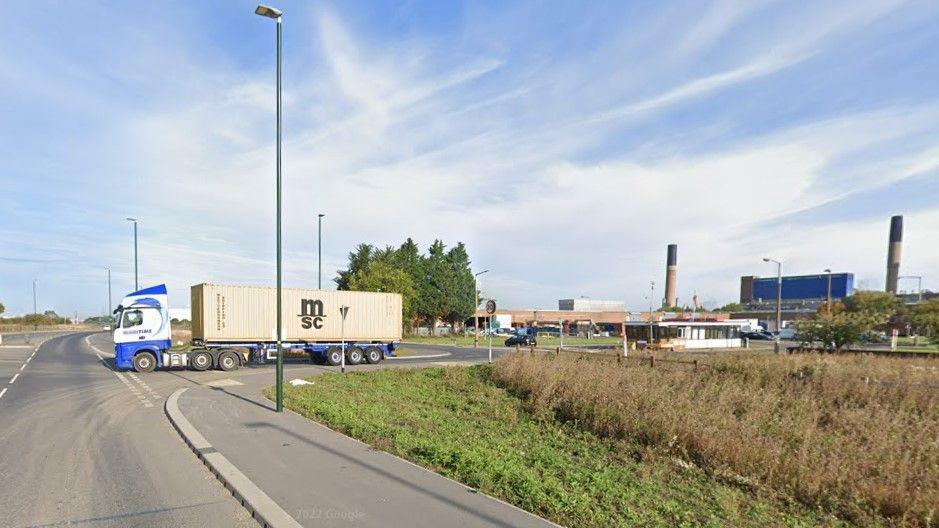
(82,444)
(79,447)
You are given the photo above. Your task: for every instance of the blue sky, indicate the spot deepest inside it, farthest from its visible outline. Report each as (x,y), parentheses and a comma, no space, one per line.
(566,143)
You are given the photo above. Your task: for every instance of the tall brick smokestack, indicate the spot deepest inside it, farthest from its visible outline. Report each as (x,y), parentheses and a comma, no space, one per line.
(893,252)
(671,271)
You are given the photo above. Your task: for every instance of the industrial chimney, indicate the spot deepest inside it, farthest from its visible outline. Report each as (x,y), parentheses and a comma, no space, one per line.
(671,270)
(893,252)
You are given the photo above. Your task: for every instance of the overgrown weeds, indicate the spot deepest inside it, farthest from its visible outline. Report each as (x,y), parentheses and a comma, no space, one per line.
(856,436)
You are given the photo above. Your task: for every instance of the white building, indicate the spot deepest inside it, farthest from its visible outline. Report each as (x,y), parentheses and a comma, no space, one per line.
(687,334)
(585,304)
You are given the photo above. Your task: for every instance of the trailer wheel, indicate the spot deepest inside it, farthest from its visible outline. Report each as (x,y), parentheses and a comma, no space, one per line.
(333,355)
(227,361)
(354,355)
(200,360)
(144,362)
(373,354)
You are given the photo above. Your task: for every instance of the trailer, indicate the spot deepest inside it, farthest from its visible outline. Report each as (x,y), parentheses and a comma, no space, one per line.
(236,325)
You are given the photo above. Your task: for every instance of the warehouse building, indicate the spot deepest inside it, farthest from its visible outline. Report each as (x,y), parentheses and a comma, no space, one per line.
(796,288)
(585,304)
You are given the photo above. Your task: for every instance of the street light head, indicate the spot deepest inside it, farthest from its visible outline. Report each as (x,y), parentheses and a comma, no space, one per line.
(481,272)
(765,259)
(131,219)
(269,12)
(827,270)
(321,215)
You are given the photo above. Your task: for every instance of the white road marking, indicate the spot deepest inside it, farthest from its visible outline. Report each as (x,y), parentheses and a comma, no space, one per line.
(14,378)
(2,392)
(16,346)
(22,366)
(425,356)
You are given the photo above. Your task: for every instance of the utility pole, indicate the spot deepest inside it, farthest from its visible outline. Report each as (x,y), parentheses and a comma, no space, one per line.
(109,292)
(828,297)
(276,14)
(319,247)
(35,304)
(136,280)
(651,301)
(475,307)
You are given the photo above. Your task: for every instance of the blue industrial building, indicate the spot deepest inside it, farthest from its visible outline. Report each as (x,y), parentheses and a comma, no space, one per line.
(756,290)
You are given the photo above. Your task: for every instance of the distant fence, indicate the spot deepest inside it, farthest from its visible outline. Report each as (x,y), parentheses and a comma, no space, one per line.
(648,359)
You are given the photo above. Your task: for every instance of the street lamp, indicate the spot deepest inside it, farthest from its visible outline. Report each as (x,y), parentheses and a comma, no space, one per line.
(35,304)
(276,14)
(319,246)
(778,294)
(475,318)
(109,291)
(136,282)
(828,297)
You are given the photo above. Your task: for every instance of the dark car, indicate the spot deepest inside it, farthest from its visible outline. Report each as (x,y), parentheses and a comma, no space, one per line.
(758,336)
(521,340)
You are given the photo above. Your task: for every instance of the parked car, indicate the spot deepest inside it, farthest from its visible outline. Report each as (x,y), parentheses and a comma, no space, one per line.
(521,340)
(758,336)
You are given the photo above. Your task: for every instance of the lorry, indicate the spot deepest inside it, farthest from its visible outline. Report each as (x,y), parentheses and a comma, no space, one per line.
(235,325)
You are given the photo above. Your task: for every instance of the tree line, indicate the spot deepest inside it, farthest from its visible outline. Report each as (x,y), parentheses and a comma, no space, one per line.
(436,285)
(849,321)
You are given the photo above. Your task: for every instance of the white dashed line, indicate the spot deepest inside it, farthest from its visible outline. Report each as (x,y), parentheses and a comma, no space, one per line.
(14,378)
(2,392)
(22,366)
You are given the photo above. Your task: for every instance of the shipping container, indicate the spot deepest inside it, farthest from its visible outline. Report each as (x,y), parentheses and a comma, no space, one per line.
(228,313)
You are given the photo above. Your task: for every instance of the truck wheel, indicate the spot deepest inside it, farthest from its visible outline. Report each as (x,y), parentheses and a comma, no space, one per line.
(333,355)
(227,361)
(200,360)
(373,354)
(354,355)
(144,362)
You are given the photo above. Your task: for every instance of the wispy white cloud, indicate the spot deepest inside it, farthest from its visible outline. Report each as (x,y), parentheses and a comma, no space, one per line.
(535,160)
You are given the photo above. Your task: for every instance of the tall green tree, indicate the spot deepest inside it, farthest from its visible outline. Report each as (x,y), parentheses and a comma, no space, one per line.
(358,260)
(382,276)
(436,291)
(463,293)
(2,308)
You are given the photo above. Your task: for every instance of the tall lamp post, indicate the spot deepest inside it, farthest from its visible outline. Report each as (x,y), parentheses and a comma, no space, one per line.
(109,291)
(35,304)
(475,307)
(276,14)
(319,248)
(778,298)
(136,281)
(828,296)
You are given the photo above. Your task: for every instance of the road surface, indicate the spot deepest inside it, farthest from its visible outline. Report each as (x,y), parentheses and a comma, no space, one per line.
(85,445)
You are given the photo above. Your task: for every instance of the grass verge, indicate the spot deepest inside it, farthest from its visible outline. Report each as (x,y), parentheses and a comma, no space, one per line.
(457,422)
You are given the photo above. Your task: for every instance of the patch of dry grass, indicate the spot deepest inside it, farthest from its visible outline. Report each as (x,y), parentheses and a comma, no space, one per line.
(857,436)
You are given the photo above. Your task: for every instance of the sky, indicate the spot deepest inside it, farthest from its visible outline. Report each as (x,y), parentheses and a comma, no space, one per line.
(566,143)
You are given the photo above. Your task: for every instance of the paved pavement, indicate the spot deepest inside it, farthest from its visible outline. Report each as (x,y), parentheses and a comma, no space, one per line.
(323,478)
(82,444)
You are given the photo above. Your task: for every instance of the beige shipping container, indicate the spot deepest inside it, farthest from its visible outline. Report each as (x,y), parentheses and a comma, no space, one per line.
(226,313)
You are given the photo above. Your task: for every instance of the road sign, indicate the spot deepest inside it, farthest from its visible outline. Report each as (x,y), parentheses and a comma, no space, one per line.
(490,307)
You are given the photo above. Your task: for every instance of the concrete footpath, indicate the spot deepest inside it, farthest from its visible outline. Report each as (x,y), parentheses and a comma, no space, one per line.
(323,478)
